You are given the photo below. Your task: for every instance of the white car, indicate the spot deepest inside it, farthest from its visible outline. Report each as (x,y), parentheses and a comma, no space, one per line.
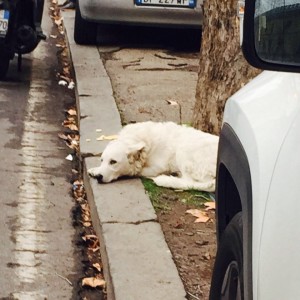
(258,187)
(163,13)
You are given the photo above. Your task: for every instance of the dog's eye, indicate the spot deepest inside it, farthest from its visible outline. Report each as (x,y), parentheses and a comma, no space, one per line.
(112,162)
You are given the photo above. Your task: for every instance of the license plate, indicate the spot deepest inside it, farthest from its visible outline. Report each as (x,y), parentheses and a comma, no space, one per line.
(178,3)
(4,17)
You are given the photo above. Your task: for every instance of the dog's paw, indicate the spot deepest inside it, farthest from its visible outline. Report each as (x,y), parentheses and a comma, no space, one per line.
(162,180)
(94,172)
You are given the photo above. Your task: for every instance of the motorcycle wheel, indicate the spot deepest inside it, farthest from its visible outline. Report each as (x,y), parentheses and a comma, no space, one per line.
(85,32)
(4,64)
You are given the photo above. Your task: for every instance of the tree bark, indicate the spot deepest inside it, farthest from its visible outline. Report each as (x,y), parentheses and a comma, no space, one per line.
(223,69)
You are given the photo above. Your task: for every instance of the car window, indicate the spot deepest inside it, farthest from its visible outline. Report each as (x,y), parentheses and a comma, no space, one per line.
(277,31)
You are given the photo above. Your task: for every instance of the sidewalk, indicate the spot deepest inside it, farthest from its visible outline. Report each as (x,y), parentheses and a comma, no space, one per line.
(138,264)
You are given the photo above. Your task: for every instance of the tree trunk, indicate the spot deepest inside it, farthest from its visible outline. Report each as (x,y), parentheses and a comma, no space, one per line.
(223,69)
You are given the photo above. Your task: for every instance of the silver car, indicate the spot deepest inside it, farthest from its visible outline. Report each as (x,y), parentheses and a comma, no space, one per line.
(163,13)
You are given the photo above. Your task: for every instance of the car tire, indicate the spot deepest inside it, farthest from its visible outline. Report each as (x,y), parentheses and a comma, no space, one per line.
(227,279)
(85,32)
(4,64)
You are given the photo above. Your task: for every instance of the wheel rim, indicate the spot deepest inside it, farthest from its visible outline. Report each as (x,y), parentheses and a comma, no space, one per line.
(231,287)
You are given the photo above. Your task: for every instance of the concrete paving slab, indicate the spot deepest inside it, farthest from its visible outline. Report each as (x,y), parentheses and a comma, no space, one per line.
(140,263)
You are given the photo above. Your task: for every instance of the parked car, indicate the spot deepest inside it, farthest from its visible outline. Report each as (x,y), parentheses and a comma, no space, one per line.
(257,194)
(91,14)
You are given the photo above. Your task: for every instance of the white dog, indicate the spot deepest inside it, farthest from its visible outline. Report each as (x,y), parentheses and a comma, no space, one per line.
(158,151)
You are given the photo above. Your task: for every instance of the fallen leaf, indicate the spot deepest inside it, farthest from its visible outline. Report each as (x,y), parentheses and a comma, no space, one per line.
(70,125)
(58,22)
(87,224)
(97,266)
(66,70)
(69,157)
(65,78)
(90,237)
(62,82)
(73,137)
(200,215)
(93,282)
(206,256)
(78,182)
(173,103)
(63,136)
(210,205)
(107,137)
(74,171)
(71,85)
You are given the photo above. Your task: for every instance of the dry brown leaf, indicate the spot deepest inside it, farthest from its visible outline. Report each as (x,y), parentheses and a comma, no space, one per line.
(94,249)
(72,127)
(86,218)
(210,205)
(72,112)
(90,237)
(97,266)
(66,70)
(63,136)
(74,137)
(93,282)
(87,224)
(57,21)
(200,215)
(65,78)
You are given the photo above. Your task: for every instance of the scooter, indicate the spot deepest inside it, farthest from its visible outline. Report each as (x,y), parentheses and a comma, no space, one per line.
(20,30)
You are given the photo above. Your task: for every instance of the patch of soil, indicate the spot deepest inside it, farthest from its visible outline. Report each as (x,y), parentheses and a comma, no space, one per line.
(193,245)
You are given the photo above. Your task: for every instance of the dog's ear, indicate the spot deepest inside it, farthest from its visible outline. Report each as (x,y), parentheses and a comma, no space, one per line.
(135,151)
(136,147)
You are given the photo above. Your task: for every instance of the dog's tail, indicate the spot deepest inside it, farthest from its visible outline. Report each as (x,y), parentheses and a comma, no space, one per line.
(184,184)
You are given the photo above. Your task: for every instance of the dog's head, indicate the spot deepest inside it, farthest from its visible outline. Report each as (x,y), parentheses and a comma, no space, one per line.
(120,159)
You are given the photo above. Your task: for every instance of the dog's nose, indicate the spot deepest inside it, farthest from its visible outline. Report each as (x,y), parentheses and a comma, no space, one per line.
(99,178)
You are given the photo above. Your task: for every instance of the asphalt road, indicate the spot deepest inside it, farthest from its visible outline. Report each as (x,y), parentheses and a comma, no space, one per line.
(37,249)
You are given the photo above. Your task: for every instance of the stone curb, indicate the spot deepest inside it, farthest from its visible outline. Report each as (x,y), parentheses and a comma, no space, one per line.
(138,264)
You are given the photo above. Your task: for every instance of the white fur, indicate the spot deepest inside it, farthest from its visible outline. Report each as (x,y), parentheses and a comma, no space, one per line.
(158,150)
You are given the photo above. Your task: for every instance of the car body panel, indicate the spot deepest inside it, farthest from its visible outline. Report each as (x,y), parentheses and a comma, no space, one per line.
(125,11)
(263,114)
(280,238)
